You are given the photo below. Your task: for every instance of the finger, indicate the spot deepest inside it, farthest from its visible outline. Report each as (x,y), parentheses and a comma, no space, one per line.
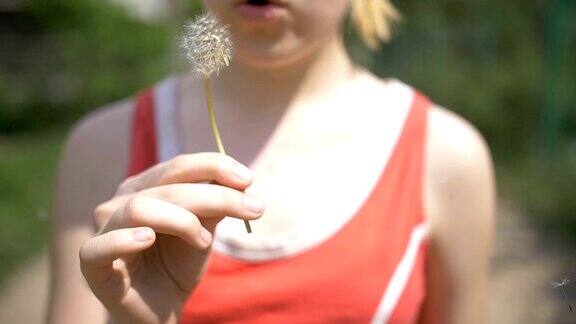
(98,253)
(210,200)
(163,217)
(203,200)
(104,211)
(197,167)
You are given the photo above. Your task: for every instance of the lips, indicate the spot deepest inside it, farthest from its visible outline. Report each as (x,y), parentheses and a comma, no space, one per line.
(264,2)
(261,10)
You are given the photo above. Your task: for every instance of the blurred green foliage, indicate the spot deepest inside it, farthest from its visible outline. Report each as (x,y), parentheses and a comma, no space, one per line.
(76,55)
(27,163)
(497,63)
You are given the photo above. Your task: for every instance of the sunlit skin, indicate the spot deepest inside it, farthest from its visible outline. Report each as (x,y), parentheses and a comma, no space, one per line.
(294,109)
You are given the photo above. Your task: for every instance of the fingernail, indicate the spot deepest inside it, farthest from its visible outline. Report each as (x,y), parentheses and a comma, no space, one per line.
(205,236)
(242,172)
(253,204)
(143,235)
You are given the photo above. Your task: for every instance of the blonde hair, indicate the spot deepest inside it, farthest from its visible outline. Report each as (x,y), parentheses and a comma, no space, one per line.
(374,19)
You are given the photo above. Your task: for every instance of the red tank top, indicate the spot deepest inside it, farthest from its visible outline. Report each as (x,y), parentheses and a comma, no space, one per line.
(371,270)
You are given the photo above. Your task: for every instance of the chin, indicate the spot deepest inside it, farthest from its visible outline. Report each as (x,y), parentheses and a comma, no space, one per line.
(270,56)
(276,33)
(283,50)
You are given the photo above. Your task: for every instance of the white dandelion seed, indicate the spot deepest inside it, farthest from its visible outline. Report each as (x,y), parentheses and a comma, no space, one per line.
(561,285)
(206,44)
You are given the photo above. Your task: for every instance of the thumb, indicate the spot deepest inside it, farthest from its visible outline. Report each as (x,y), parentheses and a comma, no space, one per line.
(99,252)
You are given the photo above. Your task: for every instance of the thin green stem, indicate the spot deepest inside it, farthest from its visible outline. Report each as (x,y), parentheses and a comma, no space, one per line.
(210,106)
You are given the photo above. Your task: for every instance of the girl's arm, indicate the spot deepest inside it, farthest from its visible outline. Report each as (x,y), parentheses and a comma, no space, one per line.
(460,204)
(92,163)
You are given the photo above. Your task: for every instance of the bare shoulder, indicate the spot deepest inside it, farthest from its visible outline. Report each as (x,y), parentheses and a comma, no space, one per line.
(459,171)
(95,155)
(455,145)
(103,124)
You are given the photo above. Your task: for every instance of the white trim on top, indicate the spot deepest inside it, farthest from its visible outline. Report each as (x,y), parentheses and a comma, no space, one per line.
(401,275)
(165,101)
(232,240)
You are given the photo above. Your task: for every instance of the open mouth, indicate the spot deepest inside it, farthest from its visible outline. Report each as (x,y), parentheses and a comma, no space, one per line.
(262,3)
(262,10)
(258,2)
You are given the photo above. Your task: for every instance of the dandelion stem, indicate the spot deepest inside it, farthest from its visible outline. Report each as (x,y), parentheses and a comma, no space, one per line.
(566,299)
(210,106)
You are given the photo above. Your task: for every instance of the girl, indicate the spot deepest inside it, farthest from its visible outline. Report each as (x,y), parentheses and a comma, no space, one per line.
(367,201)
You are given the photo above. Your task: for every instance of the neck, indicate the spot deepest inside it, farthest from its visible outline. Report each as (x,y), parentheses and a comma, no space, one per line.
(279,88)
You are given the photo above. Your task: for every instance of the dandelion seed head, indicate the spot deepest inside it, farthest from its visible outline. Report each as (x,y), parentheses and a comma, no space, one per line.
(206,44)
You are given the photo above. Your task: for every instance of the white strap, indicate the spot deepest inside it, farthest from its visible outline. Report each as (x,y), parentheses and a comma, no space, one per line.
(401,275)
(165,101)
